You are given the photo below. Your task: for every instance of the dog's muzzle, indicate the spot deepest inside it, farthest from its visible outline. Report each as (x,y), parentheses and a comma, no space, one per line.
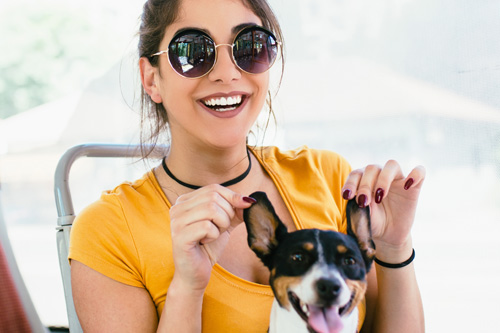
(320,318)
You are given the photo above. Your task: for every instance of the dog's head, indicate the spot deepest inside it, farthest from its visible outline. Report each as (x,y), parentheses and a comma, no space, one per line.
(321,275)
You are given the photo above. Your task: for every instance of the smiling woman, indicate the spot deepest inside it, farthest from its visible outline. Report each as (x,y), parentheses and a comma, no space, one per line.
(209,90)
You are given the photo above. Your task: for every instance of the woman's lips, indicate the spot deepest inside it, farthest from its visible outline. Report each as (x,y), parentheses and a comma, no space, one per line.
(224,105)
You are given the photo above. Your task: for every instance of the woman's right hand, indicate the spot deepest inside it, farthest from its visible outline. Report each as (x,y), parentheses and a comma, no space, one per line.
(201,224)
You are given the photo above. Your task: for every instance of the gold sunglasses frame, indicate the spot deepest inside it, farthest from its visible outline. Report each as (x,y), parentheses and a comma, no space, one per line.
(254,27)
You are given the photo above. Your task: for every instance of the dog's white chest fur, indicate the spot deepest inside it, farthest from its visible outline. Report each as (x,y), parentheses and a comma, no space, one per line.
(284,321)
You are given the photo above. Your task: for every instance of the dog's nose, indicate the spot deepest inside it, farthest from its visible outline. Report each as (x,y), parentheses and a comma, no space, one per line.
(328,289)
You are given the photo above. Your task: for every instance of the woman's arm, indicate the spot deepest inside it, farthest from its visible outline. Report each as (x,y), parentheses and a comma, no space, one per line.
(393,298)
(182,310)
(105,305)
(201,223)
(393,301)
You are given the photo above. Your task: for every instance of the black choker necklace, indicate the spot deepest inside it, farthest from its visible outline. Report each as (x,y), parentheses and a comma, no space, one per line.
(195,187)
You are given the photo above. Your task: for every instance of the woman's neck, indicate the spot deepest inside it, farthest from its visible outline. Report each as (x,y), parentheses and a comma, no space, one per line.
(204,166)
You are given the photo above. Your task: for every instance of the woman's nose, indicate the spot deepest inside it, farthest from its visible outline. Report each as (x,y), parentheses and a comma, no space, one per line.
(225,70)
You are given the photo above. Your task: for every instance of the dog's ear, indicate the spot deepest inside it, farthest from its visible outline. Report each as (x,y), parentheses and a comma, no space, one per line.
(264,227)
(359,227)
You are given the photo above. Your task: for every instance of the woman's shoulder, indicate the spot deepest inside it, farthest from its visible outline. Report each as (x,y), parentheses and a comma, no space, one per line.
(109,234)
(145,185)
(303,155)
(125,197)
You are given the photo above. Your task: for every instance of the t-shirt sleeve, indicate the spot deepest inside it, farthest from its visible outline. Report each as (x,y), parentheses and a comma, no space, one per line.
(101,239)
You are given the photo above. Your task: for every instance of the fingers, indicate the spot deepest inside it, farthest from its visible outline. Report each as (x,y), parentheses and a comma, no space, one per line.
(210,211)
(360,184)
(372,184)
(366,184)
(391,172)
(201,232)
(415,178)
(209,206)
(236,200)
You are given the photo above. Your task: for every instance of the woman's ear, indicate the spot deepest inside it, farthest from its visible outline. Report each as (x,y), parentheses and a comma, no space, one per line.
(148,75)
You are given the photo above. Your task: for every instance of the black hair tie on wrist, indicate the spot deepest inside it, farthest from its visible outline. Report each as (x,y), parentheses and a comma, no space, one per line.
(400,265)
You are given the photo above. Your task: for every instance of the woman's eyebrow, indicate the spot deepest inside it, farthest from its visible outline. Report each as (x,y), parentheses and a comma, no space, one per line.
(191,28)
(234,30)
(241,26)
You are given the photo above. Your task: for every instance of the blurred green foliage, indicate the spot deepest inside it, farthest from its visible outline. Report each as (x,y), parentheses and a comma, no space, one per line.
(49,49)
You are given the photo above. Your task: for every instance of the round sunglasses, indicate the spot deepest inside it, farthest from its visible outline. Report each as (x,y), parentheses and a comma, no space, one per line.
(192,53)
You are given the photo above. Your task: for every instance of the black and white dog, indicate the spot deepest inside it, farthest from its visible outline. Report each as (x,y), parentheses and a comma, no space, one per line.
(318,277)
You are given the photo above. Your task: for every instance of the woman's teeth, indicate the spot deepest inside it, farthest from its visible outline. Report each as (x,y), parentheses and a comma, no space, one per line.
(223,103)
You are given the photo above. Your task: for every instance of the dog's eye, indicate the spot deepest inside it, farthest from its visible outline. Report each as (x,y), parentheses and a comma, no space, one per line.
(297,257)
(349,261)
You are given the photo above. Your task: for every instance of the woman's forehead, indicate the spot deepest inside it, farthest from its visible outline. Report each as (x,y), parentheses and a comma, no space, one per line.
(220,18)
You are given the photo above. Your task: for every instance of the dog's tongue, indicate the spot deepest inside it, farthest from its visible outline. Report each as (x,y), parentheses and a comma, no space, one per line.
(325,320)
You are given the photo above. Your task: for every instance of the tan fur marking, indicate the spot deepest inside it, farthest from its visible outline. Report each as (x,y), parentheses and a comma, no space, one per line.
(358,288)
(341,248)
(370,253)
(282,285)
(308,246)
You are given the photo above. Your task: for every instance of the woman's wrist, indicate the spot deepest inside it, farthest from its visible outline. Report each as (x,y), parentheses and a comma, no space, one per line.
(396,265)
(179,288)
(394,254)
(182,310)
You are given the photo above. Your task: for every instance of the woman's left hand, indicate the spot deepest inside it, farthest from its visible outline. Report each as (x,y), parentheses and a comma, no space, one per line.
(392,198)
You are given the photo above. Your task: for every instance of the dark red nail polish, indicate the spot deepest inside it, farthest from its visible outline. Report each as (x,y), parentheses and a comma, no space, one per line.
(347,194)
(408,183)
(379,195)
(249,200)
(362,201)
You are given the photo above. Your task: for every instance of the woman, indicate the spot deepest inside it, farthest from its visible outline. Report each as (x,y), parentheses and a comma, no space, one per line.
(169,252)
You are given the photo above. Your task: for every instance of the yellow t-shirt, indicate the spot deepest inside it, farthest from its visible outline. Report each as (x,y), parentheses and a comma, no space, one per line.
(126,235)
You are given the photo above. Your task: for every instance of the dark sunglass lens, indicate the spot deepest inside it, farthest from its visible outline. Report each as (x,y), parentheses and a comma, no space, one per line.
(255,50)
(192,54)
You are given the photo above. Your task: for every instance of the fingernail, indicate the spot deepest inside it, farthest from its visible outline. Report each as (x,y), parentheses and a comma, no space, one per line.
(346,194)
(362,201)
(249,200)
(379,194)
(408,183)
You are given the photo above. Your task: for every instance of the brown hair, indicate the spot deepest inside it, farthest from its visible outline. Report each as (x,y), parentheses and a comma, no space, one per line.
(156,17)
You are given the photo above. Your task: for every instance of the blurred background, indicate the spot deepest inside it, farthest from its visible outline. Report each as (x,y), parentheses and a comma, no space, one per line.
(415,81)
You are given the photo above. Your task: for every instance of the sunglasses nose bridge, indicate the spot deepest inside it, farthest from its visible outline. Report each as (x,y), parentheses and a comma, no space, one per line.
(218,45)
(231,46)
